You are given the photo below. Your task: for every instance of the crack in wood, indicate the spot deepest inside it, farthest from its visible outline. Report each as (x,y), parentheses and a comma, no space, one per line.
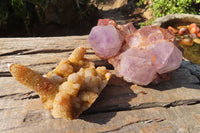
(5,74)
(90,53)
(19,52)
(9,96)
(116,108)
(183,102)
(39,51)
(21,96)
(146,121)
(167,104)
(39,64)
(4,109)
(35,96)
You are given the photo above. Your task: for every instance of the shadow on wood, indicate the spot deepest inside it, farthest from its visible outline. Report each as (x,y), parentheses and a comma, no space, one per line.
(182,77)
(115,97)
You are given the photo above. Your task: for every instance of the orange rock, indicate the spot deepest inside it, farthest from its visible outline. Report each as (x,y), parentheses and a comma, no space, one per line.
(173,30)
(196,40)
(193,28)
(198,34)
(185,26)
(187,42)
(106,22)
(182,31)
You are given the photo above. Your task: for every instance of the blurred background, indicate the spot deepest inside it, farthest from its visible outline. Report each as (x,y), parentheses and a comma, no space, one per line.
(32,18)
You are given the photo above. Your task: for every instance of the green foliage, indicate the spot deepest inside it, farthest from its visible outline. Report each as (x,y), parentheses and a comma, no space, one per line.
(140,2)
(149,22)
(22,9)
(164,7)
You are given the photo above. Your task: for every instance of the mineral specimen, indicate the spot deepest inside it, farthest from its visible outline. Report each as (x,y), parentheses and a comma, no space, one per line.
(139,56)
(68,90)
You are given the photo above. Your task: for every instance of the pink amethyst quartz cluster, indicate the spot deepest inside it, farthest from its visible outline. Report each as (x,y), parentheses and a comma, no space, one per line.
(139,56)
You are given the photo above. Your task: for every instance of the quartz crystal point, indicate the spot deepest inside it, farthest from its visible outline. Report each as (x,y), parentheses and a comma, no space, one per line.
(105,39)
(139,56)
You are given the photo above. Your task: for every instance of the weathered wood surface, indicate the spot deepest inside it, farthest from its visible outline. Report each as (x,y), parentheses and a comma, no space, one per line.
(172,106)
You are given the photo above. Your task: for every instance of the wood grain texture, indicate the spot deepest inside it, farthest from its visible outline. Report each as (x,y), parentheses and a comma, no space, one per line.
(172,106)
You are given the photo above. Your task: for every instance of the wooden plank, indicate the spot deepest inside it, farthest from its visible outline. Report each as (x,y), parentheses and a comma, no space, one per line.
(10,46)
(121,107)
(41,54)
(36,119)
